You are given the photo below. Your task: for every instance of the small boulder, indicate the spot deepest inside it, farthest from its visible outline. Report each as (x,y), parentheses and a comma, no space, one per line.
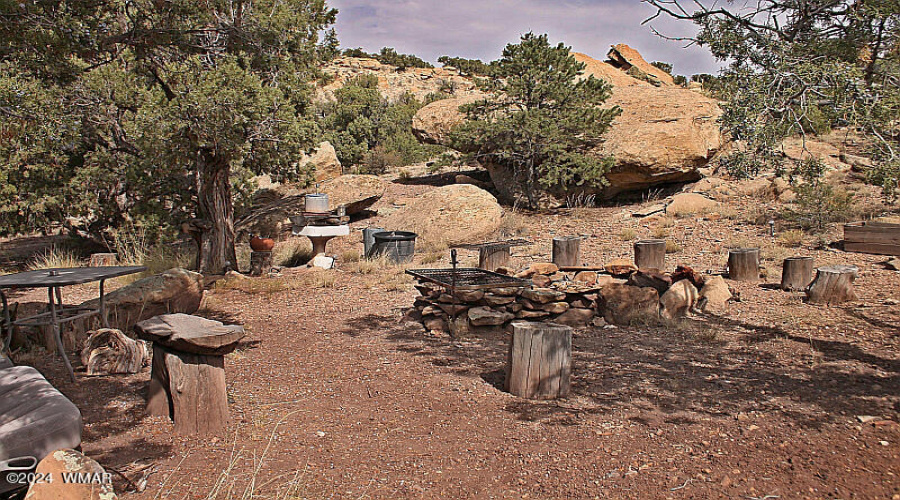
(469,295)
(620,267)
(575,317)
(539,269)
(453,309)
(588,278)
(715,294)
(485,316)
(541,281)
(678,299)
(498,300)
(556,307)
(527,314)
(436,324)
(622,304)
(690,204)
(543,295)
(324,162)
(66,461)
(507,292)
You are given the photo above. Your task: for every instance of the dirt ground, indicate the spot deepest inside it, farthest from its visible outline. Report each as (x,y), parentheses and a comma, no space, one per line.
(334,395)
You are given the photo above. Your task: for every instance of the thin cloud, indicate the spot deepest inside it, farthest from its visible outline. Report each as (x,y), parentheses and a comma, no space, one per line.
(480,29)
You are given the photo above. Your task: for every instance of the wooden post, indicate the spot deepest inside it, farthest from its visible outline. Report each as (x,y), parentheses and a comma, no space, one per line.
(492,257)
(103,259)
(796,273)
(567,251)
(189,389)
(833,284)
(260,263)
(540,360)
(743,264)
(650,254)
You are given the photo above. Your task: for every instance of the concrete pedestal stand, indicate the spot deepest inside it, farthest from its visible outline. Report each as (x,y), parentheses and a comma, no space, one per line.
(320,236)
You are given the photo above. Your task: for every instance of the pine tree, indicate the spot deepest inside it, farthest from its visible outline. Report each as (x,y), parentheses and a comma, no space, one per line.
(542,120)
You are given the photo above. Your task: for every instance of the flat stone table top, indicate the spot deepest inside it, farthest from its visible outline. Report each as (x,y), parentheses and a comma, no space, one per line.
(192,334)
(323,231)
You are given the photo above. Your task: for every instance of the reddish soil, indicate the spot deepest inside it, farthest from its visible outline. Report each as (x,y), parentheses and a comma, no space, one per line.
(336,396)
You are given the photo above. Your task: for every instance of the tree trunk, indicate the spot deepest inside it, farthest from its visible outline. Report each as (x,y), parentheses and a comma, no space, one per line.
(743,264)
(540,360)
(833,284)
(217,254)
(567,251)
(796,273)
(492,257)
(650,254)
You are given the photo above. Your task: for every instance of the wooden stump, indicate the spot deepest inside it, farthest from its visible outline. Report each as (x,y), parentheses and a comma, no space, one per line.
(650,254)
(743,264)
(189,389)
(260,263)
(103,259)
(490,258)
(796,273)
(540,360)
(833,284)
(187,382)
(567,251)
(109,351)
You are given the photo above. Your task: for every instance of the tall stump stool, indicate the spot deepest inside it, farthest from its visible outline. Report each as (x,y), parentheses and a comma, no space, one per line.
(833,285)
(797,273)
(187,381)
(540,360)
(650,254)
(743,264)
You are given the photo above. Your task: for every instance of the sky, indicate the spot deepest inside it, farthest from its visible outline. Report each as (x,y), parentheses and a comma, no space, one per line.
(479,29)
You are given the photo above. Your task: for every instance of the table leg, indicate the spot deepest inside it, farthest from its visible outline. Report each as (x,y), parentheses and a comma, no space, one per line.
(56,332)
(7,329)
(103,318)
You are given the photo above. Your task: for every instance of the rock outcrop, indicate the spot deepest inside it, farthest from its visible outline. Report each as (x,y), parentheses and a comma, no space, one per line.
(96,483)
(454,214)
(664,134)
(325,162)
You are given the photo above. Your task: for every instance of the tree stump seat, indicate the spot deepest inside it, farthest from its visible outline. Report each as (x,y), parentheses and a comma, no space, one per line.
(187,380)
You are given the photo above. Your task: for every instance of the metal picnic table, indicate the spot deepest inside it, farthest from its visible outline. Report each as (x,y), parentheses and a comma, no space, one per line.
(58,313)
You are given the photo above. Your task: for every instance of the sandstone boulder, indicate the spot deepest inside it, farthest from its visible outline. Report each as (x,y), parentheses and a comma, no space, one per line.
(690,204)
(543,295)
(678,299)
(555,307)
(623,304)
(454,214)
(355,192)
(620,267)
(485,316)
(66,461)
(575,317)
(432,123)
(715,294)
(324,162)
(625,58)
(174,291)
(652,278)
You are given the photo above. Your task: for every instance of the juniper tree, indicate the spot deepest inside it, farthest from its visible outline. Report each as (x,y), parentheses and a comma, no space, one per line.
(150,112)
(542,120)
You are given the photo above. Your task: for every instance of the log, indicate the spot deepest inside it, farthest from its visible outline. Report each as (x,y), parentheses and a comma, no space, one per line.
(796,273)
(567,251)
(189,389)
(743,264)
(260,263)
(490,257)
(833,284)
(108,351)
(650,254)
(540,360)
(103,259)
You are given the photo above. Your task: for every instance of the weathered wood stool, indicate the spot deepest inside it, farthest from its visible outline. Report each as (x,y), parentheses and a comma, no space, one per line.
(187,382)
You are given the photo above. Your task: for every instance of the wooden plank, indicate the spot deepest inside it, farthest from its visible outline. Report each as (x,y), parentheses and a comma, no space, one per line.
(872,248)
(872,237)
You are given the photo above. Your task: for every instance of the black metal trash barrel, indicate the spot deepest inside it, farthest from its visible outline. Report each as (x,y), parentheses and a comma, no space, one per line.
(399,246)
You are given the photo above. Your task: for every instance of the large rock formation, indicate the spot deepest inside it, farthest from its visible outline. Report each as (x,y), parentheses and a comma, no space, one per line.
(325,162)
(454,214)
(664,134)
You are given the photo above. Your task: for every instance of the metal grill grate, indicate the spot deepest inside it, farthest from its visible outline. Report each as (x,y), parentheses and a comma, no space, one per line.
(467,278)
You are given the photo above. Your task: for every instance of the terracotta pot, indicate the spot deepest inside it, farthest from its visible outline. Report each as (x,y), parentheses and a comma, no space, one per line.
(258,244)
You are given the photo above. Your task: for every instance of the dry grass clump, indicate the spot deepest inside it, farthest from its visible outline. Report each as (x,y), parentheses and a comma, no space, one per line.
(431,257)
(672,246)
(55,257)
(627,234)
(294,252)
(512,224)
(792,238)
(659,232)
(351,255)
